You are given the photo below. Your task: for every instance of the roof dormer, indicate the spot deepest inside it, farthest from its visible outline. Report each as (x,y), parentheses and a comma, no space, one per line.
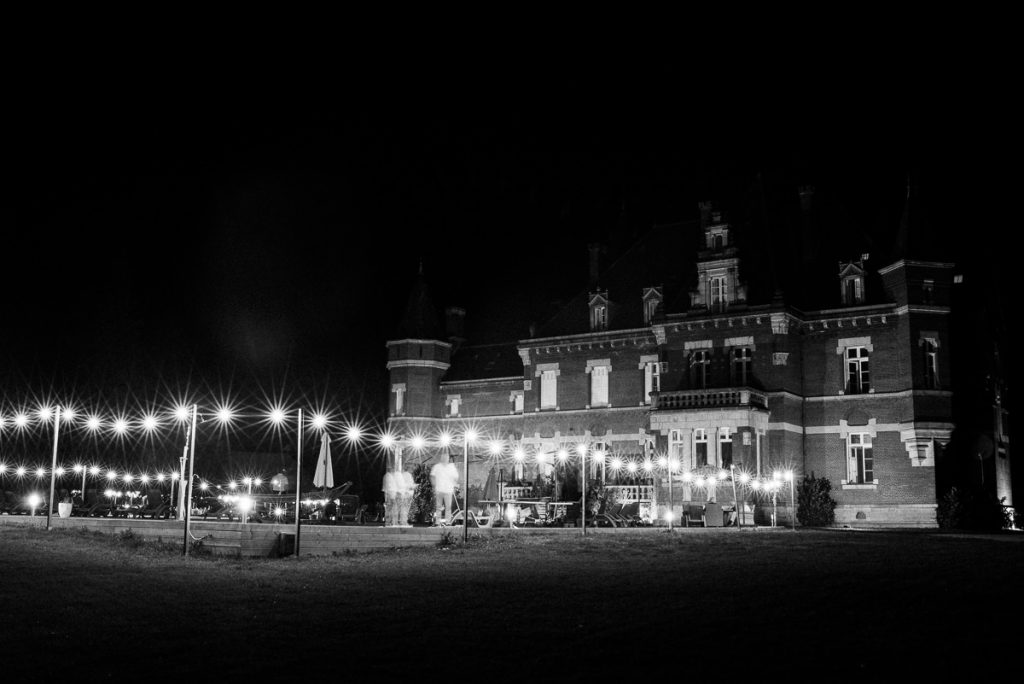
(652,300)
(851,282)
(599,309)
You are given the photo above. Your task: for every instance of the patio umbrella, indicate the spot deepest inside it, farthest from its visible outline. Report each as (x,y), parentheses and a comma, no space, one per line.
(324,475)
(490,492)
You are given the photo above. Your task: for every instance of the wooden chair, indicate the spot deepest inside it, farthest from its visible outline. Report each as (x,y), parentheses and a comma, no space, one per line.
(693,516)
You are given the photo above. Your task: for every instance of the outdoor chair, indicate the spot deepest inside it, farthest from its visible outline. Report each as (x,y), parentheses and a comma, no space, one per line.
(155,507)
(81,506)
(610,517)
(694,516)
(216,510)
(572,514)
(7,502)
(100,508)
(22,507)
(630,514)
(539,516)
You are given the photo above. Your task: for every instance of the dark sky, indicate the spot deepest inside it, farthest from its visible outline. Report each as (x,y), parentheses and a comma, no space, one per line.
(224,232)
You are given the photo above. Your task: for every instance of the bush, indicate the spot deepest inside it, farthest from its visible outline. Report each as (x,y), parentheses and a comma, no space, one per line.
(961,509)
(815,505)
(423,500)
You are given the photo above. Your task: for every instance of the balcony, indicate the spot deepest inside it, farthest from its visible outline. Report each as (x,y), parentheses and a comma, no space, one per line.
(721,397)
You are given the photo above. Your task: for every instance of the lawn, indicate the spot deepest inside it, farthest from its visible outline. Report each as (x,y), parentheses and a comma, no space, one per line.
(721,604)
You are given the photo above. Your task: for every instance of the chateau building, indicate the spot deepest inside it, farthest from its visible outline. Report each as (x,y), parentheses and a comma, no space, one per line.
(664,356)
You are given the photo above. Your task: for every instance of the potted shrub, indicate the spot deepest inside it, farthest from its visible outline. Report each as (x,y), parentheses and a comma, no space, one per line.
(65,506)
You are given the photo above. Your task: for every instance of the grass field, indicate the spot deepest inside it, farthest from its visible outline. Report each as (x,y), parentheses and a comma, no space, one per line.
(719,604)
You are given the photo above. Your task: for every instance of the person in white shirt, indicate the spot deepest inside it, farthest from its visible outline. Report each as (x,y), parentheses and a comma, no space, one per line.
(391,500)
(443,476)
(406,491)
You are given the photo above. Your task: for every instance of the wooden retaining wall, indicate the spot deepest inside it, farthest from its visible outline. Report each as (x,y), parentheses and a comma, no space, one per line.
(264,540)
(251,540)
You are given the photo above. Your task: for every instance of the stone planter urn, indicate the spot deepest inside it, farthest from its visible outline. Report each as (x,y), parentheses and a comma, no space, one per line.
(64,509)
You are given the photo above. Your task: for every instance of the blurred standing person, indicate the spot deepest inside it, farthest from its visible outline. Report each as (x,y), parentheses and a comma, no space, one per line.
(406,492)
(443,477)
(391,489)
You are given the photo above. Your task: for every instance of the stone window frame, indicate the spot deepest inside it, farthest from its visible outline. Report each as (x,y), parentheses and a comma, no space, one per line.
(606,366)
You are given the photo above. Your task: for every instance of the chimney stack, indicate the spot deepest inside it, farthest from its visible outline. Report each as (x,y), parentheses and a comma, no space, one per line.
(705,214)
(595,249)
(455,325)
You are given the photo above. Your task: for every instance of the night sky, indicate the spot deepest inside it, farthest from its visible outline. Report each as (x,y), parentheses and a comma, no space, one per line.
(261,239)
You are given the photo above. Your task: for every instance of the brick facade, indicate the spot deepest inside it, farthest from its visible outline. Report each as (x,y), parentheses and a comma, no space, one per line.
(792,406)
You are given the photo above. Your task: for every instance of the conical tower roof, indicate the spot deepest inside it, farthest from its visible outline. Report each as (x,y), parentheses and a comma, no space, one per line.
(420,320)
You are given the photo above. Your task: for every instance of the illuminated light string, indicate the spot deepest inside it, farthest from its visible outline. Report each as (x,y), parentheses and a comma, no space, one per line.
(152,422)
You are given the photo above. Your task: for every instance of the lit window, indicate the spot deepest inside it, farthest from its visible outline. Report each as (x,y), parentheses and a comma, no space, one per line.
(399,399)
(860,462)
(930,350)
(599,386)
(725,446)
(548,389)
(741,358)
(717,288)
(700,447)
(699,362)
(518,402)
(858,374)
(599,317)
(652,379)
(454,410)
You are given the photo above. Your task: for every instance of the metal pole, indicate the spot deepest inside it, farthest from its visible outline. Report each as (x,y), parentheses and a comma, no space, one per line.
(53,467)
(298,486)
(792,503)
(583,496)
(669,516)
(181,488)
(735,501)
(187,499)
(465,490)
(84,471)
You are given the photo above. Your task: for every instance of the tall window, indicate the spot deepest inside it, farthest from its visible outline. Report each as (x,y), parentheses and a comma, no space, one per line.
(928,292)
(675,446)
(650,309)
(652,379)
(858,374)
(399,399)
(930,349)
(717,290)
(861,463)
(699,362)
(548,389)
(454,406)
(853,290)
(741,358)
(517,404)
(700,447)
(599,317)
(599,386)
(725,446)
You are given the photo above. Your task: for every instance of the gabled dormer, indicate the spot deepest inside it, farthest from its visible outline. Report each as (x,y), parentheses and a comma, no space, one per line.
(718,284)
(652,303)
(599,310)
(851,282)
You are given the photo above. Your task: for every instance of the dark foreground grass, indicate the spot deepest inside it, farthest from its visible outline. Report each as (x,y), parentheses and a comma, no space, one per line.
(764,604)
